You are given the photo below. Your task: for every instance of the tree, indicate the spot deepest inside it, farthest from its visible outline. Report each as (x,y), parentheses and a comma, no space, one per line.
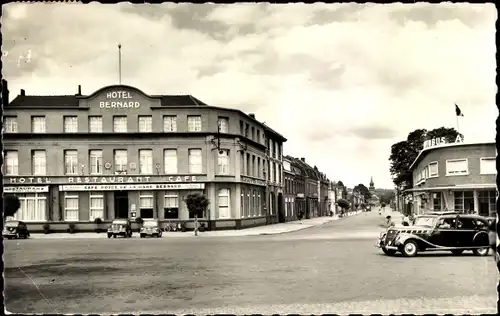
(403,153)
(387,196)
(361,188)
(340,184)
(197,204)
(11,204)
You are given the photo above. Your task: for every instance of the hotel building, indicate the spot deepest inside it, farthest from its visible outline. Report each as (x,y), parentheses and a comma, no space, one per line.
(455,177)
(119,153)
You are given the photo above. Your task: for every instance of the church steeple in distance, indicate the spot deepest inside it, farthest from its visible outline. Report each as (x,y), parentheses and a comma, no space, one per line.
(372,185)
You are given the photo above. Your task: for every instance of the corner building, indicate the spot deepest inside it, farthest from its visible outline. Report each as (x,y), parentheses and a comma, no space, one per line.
(457,177)
(119,153)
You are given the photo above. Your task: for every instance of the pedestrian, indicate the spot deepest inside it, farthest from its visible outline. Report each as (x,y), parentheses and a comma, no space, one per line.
(406,221)
(389,222)
(300,215)
(196,225)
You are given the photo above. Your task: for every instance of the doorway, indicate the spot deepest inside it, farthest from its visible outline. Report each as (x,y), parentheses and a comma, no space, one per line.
(281,212)
(121,204)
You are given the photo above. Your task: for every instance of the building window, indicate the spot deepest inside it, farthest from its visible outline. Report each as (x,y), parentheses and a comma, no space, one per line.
(259,204)
(223,162)
(95,124)
(433,169)
(170,161)
(169,123)
(487,203)
(10,124)
(171,207)
(119,124)
(120,161)
(145,124)
(269,170)
(251,208)
(457,167)
(11,163)
(247,127)
(253,133)
(242,162)
(194,123)
(70,162)
(259,171)
(249,169)
(71,207)
(71,124)
(464,201)
(95,158)
(39,163)
(254,204)
(223,124)
(258,136)
(242,129)
(275,172)
(146,161)
(96,205)
(247,204)
(146,200)
(488,165)
(254,167)
(223,203)
(242,202)
(32,208)
(195,159)
(436,202)
(271,203)
(38,124)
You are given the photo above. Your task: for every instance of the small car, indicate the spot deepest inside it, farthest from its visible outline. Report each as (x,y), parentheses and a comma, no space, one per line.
(430,232)
(16,230)
(150,227)
(120,227)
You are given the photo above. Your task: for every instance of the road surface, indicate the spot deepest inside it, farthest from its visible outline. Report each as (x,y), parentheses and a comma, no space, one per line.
(332,268)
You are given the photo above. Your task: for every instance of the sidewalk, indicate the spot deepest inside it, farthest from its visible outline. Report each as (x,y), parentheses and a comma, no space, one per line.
(254,231)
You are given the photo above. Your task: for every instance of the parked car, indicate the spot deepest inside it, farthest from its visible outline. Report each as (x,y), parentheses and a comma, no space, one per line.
(150,227)
(449,232)
(16,230)
(120,227)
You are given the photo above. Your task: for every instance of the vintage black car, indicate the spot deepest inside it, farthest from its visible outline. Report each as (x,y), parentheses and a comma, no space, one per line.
(15,229)
(120,227)
(150,227)
(432,232)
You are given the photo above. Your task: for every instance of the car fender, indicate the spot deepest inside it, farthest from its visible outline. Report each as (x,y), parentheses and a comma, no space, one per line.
(403,237)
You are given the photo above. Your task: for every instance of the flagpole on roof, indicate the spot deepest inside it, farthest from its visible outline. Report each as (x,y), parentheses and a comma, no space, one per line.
(458,113)
(120,63)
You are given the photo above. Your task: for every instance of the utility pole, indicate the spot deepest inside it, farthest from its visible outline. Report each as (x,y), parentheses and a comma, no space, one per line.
(119,63)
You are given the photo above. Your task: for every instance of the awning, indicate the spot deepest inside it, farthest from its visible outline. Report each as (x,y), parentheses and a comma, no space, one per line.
(455,187)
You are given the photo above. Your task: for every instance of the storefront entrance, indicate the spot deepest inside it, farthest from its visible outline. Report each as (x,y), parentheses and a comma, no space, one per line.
(121,204)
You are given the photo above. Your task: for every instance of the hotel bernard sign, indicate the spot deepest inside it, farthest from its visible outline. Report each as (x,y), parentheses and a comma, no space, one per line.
(119,100)
(253,181)
(100,180)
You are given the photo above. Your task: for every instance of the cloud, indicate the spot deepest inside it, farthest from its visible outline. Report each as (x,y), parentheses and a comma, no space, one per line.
(341,81)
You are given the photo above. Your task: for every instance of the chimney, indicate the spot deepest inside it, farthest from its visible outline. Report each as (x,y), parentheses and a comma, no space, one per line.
(79,89)
(23,93)
(5,93)
(252,115)
(303,159)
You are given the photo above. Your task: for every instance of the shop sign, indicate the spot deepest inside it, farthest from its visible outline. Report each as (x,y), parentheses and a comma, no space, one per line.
(119,100)
(438,141)
(253,181)
(116,187)
(101,179)
(26,189)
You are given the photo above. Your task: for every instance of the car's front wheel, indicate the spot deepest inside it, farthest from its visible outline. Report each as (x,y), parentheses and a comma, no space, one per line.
(109,235)
(389,252)
(457,252)
(481,252)
(409,249)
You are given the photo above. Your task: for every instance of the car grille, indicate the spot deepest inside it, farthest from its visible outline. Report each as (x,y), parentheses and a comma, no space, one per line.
(391,234)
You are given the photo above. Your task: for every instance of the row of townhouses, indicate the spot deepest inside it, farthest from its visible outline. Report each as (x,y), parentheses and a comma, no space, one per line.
(120,153)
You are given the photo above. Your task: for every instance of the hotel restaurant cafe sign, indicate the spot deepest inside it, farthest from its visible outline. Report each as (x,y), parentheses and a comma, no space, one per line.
(103,183)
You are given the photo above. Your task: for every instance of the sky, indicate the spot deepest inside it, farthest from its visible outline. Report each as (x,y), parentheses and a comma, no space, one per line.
(342,82)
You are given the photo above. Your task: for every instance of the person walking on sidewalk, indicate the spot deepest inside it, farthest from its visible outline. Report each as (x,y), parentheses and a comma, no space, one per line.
(389,222)
(300,215)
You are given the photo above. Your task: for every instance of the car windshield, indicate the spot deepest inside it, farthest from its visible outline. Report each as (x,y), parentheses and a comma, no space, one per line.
(150,224)
(425,221)
(11,224)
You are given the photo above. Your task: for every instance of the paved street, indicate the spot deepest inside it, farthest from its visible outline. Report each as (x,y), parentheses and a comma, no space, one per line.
(331,268)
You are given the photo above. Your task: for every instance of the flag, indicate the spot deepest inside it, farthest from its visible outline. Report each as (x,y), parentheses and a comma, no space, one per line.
(458,111)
